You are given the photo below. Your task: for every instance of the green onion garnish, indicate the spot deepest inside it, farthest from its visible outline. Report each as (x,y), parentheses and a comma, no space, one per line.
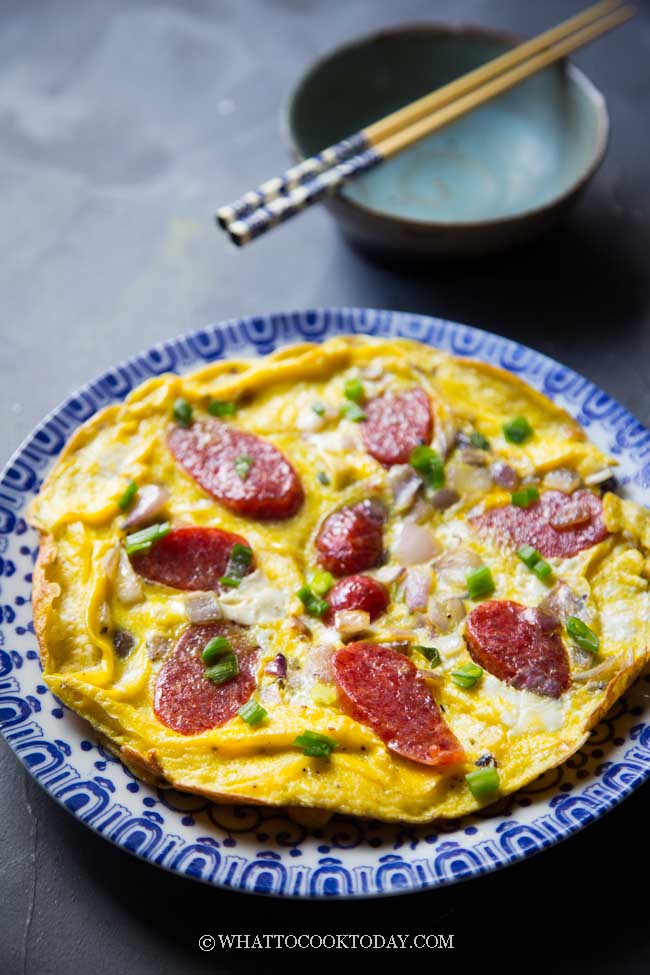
(142,540)
(314,605)
(467,675)
(239,561)
(243,464)
(182,412)
(479,441)
(525,496)
(221,407)
(483,782)
(429,466)
(215,648)
(581,634)
(315,745)
(431,653)
(518,430)
(532,558)
(354,391)
(252,712)
(322,478)
(128,496)
(352,411)
(318,409)
(321,582)
(226,668)
(480,582)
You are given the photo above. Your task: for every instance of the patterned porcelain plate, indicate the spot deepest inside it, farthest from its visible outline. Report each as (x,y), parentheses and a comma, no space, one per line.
(261,850)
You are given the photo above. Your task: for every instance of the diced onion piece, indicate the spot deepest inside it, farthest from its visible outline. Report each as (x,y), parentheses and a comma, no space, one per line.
(445,614)
(158,645)
(374,370)
(562,479)
(415,545)
(563,602)
(453,566)
(318,666)
(122,578)
(149,501)
(474,457)
(388,573)
(599,476)
(404,484)
(467,479)
(444,498)
(350,622)
(277,667)
(607,668)
(571,514)
(202,607)
(417,587)
(504,475)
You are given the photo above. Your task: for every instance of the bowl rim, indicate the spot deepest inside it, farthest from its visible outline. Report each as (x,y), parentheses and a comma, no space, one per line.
(381,217)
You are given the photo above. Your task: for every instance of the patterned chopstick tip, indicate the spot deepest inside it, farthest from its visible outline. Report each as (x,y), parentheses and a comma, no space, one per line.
(294,177)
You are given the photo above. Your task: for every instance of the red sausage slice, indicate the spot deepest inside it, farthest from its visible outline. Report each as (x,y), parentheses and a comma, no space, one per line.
(264,486)
(185,700)
(396,423)
(358,592)
(351,539)
(188,558)
(380,687)
(520,646)
(535,525)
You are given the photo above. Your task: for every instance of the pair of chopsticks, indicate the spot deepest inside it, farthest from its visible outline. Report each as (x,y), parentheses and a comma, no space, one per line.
(310,180)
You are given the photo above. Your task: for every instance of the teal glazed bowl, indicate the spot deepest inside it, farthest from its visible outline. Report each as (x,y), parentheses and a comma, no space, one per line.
(494,179)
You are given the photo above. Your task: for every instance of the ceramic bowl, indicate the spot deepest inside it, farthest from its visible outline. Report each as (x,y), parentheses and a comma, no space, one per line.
(493,179)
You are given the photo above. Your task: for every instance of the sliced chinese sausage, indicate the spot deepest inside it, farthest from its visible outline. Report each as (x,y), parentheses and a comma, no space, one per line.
(264,487)
(351,539)
(396,423)
(520,646)
(185,700)
(380,687)
(557,525)
(358,592)
(188,558)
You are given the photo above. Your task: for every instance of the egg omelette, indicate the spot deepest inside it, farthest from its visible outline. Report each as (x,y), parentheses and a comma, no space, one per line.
(364,577)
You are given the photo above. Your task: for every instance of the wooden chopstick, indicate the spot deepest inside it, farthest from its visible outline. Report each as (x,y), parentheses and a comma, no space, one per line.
(372,134)
(277,200)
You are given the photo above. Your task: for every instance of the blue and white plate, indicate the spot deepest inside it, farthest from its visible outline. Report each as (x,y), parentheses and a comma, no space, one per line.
(258,849)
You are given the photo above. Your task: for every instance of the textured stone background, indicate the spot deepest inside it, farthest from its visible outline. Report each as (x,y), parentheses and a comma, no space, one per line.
(123,124)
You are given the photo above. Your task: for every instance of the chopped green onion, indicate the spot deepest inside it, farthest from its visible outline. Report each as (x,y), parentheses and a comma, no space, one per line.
(532,558)
(252,712)
(322,477)
(239,561)
(321,582)
(467,675)
(314,605)
(429,465)
(243,464)
(431,653)
(318,409)
(525,496)
(581,634)
(354,391)
(542,570)
(315,745)
(230,581)
(352,411)
(224,670)
(479,441)
(182,412)
(221,407)
(480,582)
(128,496)
(518,430)
(483,782)
(215,648)
(144,539)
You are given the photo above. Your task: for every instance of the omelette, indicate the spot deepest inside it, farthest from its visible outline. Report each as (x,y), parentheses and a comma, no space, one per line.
(362,577)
